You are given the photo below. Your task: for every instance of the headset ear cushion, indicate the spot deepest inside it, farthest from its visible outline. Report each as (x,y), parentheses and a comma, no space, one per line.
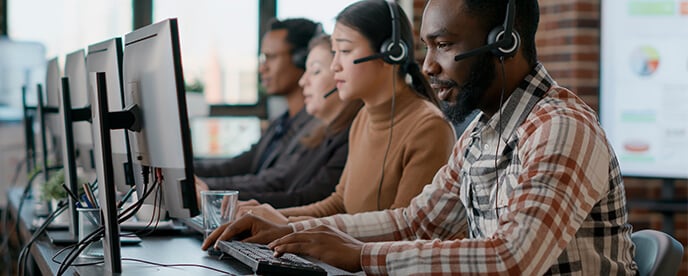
(299,58)
(497,33)
(394,53)
(492,35)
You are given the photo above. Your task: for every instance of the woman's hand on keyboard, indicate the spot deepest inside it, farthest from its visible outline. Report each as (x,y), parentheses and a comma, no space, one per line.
(325,243)
(264,210)
(258,230)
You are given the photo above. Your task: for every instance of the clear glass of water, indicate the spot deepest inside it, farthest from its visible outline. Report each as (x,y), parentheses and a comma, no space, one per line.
(218,207)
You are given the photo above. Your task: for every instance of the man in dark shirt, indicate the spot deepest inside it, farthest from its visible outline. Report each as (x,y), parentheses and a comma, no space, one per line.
(282,62)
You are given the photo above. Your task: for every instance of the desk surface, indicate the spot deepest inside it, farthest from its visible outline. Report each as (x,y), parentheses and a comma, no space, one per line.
(180,249)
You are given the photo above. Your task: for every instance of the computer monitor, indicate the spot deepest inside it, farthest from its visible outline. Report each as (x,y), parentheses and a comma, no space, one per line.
(29,117)
(106,56)
(155,115)
(77,145)
(75,73)
(153,81)
(51,127)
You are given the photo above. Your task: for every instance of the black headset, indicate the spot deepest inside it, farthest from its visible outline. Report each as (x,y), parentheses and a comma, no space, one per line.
(394,50)
(498,43)
(299,55)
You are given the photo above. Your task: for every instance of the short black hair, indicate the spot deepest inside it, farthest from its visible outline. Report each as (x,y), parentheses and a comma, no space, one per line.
(491,13)
(299,31)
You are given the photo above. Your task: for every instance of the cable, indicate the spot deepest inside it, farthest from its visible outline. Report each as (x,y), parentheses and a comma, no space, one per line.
(22,199)
(20,164)
(499,134)
(5,245)
(157,207)
(98,233)
(389,141)
(15,229)
(145,173)
(5,219)
(23,255)
(54,257)
(177,265)
(5,242)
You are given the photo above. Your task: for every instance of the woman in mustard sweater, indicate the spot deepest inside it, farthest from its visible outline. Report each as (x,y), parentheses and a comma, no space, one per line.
(400,137)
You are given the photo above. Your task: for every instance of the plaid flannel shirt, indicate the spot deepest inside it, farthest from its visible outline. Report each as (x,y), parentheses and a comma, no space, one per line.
(558,206)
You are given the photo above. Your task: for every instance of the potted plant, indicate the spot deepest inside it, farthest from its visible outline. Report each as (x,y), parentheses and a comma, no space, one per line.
(52,191)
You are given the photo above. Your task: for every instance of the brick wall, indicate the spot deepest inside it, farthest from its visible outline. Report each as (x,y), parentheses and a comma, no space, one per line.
(568,45)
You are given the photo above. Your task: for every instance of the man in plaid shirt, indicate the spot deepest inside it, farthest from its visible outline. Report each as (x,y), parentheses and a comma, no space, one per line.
(532,187)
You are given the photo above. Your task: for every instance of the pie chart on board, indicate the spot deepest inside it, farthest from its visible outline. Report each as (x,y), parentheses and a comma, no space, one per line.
(645,60)
(636,146)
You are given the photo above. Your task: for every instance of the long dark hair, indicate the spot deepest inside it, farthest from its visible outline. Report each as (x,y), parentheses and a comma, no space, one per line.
(344,118)
(373,20)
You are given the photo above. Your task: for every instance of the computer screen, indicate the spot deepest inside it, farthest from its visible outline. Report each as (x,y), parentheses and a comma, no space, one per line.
(74,113)
(51,127)
(223,136)
(644,85)
(106,56)
(154,82)
(75,72)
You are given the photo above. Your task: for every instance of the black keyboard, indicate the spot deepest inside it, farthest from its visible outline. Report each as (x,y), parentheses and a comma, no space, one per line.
(259,257)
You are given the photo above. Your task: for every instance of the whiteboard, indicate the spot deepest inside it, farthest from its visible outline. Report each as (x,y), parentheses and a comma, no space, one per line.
(644,85)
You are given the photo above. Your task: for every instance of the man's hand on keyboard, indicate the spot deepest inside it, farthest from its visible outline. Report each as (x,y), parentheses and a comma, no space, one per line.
(259,231)
(325,243)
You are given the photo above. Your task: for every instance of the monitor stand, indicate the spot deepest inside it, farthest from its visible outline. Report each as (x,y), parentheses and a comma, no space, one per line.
(61,237)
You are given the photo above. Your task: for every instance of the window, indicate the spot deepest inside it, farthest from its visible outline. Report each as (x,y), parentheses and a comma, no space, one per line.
(318,10)
(65,26)
(41,30)
(219,44)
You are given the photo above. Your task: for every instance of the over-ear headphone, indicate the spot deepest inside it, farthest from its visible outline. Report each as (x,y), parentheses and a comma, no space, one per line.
(299,55)
(502,41)
(393,50)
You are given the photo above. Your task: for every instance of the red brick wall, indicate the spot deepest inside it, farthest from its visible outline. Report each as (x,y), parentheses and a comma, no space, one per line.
(568,45)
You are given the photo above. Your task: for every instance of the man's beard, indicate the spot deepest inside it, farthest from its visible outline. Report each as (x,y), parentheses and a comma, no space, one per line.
(481,75)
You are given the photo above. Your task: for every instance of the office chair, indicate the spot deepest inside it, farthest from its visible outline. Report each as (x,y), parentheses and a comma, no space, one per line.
(656,253)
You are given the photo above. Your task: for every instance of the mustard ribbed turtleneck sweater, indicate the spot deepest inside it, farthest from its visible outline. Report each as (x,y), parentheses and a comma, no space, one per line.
(421,143)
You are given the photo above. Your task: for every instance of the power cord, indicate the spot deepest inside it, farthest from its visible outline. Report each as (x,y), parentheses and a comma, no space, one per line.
(17,170)
(177,265)
(499,134)
(98,233)
(389,141)
(5,218)
(54,259)
(5,221)
(23,255)
(22,199)
(156,215)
